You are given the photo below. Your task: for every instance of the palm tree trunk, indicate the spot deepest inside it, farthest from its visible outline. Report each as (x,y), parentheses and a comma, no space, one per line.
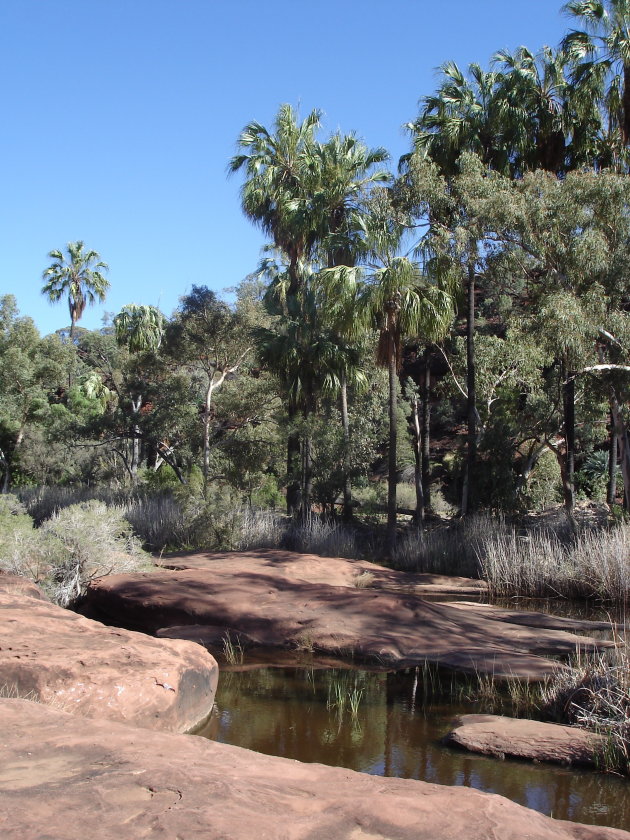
(293,472)
(626,104)
(391,477)
(307,477)
(468,490)
(5,465)
(345,422)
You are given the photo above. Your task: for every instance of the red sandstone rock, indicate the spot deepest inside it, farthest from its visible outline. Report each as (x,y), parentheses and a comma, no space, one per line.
(72,663)
(311,568)
(64,778)
(267,602)
(504,736)
(19,585)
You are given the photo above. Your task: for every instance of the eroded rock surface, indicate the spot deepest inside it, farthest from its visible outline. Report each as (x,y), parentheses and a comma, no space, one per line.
(107,781)
(503,736)
(70,662)
(267,601)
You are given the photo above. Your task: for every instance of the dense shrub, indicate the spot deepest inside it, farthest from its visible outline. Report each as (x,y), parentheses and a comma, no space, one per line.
(72,547)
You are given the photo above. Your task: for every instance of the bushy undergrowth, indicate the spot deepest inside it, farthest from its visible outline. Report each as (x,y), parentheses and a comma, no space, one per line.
(322,536)
(75,545)
(544,559)
(224,522)
(42,502)
(537,562)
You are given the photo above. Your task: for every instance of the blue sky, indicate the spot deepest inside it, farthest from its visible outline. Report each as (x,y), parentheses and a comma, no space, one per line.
(119,118)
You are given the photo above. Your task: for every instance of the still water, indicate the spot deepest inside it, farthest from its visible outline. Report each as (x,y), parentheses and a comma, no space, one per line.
(305,713)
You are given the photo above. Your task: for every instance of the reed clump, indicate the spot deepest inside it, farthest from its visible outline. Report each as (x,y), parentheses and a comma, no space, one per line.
(593,564)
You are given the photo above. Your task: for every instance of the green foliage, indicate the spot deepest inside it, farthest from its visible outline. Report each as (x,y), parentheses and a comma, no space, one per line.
(543,488)
(592,477)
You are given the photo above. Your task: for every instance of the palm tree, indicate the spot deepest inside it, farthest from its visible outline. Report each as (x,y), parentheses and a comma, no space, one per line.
(337,298)
(343,173)
(462,115)
(400,301)
(78,275)
(309,360)
(536,104)
(140,328)
(601,52)
(274,194)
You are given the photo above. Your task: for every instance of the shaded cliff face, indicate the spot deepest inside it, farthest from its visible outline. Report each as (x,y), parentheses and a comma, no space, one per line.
(279,599)
(126,782)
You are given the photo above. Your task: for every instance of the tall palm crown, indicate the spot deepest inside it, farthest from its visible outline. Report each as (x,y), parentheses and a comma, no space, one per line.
(542,123)
(342,171)
(77,274)
(461,115)
(139,327)
(276,166)
(601,52)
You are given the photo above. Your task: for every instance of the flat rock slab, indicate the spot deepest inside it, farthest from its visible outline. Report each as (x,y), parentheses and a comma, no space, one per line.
(269,605)
(65,660)
(531,739)
(311,568)
(107,781)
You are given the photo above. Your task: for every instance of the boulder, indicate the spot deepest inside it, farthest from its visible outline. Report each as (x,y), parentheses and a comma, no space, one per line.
(503,736)
(65,660)
(107,781)
(267,602)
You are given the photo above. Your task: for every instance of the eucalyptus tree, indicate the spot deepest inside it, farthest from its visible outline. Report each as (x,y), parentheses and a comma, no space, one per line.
(567,240)
(77,275)
(140,329)
(32,370)
(206,335)
(521,116)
